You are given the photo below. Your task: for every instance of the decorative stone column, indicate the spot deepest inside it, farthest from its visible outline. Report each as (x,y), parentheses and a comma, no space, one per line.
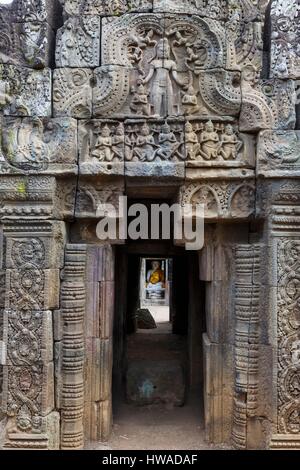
(72,368)
(247,296)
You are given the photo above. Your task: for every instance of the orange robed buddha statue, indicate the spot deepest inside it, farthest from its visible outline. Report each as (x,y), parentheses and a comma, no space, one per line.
(155,277)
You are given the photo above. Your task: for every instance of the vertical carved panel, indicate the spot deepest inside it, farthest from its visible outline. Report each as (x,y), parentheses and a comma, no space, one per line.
(288,324)
(72,309)
(285,241)
(32,252)
(246,340)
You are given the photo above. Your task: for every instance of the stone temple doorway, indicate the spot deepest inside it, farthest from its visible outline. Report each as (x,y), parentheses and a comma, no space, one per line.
(158,352)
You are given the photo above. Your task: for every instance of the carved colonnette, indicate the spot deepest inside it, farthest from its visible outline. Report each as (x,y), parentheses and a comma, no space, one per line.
(73,299)
(247,303)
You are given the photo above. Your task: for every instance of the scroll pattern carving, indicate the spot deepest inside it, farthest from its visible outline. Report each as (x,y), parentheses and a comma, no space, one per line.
(288,301)
(28,373)
(222,199)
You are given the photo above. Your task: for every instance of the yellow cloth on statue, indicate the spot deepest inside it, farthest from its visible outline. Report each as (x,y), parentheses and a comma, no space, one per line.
(156,277)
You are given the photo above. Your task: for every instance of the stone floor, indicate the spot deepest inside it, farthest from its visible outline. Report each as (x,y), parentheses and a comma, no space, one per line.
(157,428)
(160,426)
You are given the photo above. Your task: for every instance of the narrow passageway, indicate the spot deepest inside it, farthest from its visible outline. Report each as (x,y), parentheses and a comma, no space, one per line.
(158,428)
(158,400)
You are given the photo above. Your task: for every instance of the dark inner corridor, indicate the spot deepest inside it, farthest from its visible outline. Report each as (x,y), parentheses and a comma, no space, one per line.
(158,373)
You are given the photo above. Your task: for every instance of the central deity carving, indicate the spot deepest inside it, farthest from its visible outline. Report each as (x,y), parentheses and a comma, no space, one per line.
(162,71)
(160,61)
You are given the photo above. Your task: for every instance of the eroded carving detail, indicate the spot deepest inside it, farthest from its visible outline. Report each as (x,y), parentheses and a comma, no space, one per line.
(279,153)
(72,92)
(221,199)
(104,7)
(33,144)
(78,43)
(25,92)
(285,52)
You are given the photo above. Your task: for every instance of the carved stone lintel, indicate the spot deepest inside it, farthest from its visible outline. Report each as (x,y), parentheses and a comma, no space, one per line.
(221,199)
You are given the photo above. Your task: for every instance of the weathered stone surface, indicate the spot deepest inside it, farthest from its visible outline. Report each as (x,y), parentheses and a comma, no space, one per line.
(104,7)
(217,389)
(72,92)
(36,10)
(285,57)
(78,43)
(25,92)
(212,9)
(279,154)
(149,382)
(266,104)
(38,145)
(28,44)
(221,199)
(100,264)
(30,197)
